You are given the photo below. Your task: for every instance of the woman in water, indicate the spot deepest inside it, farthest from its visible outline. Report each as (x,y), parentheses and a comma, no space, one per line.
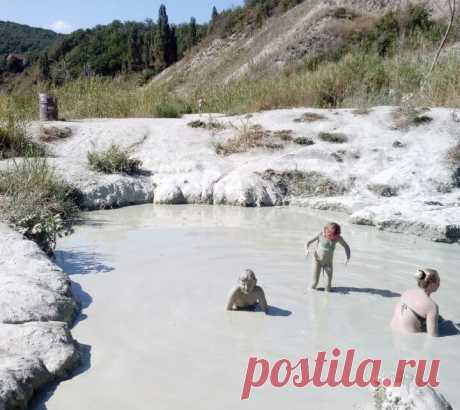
(416,312)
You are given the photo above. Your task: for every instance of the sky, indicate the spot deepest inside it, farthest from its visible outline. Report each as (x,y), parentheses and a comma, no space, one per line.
(65,16)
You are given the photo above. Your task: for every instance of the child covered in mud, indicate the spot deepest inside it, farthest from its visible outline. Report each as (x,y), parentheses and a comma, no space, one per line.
(324,253)
(247,295)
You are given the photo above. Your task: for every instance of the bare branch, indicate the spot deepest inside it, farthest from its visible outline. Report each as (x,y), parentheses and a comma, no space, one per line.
(452,6)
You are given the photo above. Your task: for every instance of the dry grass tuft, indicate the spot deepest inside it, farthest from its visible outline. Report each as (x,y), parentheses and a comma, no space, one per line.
(284,135)
(334,138)
(50,134)
(254,136)
(310,117)
(303,141)
(114,160)
(210,125)
(197,124)
(398,144)
(362,111)
(299,183)
(408,114)
(248,137)
(383,190)
(453,156)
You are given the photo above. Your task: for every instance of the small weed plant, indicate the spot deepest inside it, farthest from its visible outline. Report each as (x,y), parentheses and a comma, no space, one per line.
(114,160)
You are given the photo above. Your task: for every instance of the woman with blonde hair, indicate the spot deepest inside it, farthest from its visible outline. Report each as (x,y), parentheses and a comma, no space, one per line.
(416,312)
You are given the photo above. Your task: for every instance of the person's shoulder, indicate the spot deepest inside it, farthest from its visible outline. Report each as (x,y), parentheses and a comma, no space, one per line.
(418,295)
(414,292)
(432,305)
(235,289)
(258,288)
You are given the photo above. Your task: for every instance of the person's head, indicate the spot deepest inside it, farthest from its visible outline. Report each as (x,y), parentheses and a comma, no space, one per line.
(247,281)
(332,231)
(428,279)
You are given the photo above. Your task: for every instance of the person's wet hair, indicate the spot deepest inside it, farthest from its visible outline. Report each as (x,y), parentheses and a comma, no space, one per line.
(333,227)
(426,276)
(247,275)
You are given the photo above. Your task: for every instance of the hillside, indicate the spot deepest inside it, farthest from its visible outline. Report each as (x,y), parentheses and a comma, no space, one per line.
(118,48)
(302,39)
(20,38)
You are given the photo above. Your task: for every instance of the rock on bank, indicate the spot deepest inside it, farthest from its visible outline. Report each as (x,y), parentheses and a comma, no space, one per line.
(36,307)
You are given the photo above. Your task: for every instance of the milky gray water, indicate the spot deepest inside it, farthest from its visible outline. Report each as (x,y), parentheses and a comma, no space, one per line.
(153,282)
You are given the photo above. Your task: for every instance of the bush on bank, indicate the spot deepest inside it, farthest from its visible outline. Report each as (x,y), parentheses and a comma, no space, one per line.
(35,202)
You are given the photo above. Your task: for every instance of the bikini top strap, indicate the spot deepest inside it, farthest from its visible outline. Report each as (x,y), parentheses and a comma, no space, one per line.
(419,317)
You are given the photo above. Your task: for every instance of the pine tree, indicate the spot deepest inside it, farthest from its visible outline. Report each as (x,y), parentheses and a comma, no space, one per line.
(148,50)
(193,39)
(162,40)
(165,45)
(214,14)
(44,71)
(134,55)
(172,46)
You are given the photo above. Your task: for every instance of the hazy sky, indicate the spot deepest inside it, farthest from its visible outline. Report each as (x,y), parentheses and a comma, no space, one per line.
(65,15)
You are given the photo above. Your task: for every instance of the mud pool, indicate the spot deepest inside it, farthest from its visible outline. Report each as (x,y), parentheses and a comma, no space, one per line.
(153,283)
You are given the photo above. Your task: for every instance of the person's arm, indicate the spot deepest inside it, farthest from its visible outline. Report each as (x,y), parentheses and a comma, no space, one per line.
(307,245)
(232,299)
(346,247)
(432,319)
(262,301)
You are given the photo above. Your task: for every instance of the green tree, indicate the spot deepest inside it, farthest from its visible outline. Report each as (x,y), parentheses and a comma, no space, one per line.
(44,72)
(14,64)
(193,38)
(214,14)
(134,55)
(163,34)
(148,57)
(172,46)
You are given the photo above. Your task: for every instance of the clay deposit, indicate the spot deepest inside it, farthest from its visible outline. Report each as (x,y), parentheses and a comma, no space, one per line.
(396,178)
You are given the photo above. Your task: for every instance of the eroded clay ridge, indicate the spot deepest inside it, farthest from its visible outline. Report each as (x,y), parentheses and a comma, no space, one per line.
(36,308)
(396,170)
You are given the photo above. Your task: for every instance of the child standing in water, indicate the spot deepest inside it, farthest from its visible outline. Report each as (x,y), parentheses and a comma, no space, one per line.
(324,253)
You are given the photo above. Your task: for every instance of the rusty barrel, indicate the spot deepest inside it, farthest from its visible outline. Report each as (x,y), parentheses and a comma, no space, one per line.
(48,107)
